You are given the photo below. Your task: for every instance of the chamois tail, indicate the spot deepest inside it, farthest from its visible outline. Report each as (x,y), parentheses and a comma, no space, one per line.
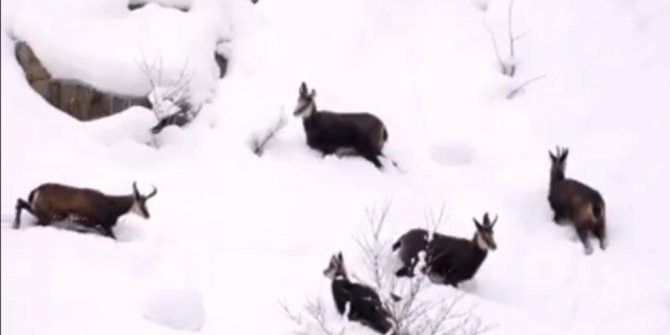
(31,196)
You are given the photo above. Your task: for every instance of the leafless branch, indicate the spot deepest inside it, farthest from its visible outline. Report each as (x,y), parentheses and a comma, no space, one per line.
(260,142)
(509,31)
(508,67)
(522,35)
(502,64)
(519,88)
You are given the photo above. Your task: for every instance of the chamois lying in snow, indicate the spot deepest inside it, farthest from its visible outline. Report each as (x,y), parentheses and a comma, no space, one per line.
(577,202)
(51,203)
(448,260)
(363,302)
(331,133)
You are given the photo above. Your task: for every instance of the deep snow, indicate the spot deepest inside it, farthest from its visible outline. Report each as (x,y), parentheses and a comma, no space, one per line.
(248,232)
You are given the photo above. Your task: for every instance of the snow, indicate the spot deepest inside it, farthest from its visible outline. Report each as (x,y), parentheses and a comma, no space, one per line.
(243,232)
(178,308)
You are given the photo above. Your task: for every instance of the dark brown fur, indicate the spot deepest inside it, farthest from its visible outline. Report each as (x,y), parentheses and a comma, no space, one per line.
(52,202)
(328,132)
(363,302)
(576,202)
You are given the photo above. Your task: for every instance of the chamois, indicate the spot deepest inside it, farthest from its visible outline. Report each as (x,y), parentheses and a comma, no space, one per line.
(364,305)
(449,260)
(51,202)
(576,202)
(331,133)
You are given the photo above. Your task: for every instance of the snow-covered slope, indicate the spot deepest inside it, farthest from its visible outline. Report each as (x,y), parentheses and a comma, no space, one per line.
(244,232)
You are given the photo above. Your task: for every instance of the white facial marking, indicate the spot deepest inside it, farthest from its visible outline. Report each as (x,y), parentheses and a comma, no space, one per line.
(481,242)
(307,110)
(137,210)
(330,273)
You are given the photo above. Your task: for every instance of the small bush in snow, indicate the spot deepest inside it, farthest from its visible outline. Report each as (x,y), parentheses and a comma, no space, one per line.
(260,141)
(170,102)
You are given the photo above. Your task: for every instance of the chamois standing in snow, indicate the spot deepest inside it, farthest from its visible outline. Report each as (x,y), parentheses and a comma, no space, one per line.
(582,205)
(51,203)
(449,260)
(363,302)
(329,133)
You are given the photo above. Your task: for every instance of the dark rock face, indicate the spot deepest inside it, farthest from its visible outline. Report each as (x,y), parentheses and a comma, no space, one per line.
(222,62)
(76,99)
(137,4)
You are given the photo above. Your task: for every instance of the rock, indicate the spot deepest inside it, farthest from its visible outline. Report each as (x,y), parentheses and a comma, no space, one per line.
(137,4)
(222,62)
(79,100)
(222,52)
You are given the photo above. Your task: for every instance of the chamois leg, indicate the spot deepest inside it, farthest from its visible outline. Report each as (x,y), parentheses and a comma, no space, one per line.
(327,150)
(387,157)
(371,155)
(599,233)
(107,231)
(583,234)
(559,216)
(21,205)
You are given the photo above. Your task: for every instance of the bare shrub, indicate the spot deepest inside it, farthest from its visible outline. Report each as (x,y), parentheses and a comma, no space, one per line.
(413,310)
(507,67)
(259,141)
(170,102)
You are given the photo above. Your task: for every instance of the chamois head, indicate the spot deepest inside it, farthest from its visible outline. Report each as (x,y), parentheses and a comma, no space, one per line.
(484,235)
(558,162)
(140,201)
(335,267)
(306,105)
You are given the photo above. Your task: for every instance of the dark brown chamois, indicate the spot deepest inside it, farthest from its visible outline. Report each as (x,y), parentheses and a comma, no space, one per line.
(360,301)
(576,202)
(51,203)
(449,260)
(329,133)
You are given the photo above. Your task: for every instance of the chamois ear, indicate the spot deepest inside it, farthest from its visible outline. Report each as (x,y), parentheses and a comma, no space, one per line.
(551,155)
(339,257)
(313,93)
(477,224)
(136,193)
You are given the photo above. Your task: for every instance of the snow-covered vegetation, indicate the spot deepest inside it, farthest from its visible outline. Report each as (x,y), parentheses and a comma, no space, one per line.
(234,237)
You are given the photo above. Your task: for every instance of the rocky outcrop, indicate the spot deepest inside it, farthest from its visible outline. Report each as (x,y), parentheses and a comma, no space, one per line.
(137,4)
(222,62)
(77,99)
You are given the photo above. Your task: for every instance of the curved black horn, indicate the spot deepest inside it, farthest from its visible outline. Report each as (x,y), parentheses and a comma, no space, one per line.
(152,192)
(135,191)
(493,223)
